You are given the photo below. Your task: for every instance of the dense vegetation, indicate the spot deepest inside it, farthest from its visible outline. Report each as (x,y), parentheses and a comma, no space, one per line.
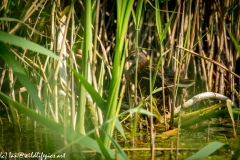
(63,64)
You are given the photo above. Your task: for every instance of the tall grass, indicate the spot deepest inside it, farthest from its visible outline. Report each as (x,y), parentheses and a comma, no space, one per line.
(97,38)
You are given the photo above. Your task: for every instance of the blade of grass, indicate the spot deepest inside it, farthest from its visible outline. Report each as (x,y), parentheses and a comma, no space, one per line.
(102,147)
(87,50)
(94,94)
(21,75)
(230,111)
(233,39)
(20,42)
(118,147)
(123,14)
(207,150)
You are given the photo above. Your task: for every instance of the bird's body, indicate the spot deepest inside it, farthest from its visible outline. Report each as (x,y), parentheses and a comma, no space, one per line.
(143,71)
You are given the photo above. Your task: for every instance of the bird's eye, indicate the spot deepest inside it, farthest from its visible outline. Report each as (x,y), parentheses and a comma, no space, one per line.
(132,57)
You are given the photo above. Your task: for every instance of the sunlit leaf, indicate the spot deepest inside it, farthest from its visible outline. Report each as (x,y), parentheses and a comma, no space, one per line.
(20,42)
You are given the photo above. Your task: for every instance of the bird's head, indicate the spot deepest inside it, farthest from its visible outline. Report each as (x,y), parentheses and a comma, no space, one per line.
(141,57)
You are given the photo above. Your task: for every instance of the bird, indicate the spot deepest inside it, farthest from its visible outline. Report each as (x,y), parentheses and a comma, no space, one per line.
(143,71)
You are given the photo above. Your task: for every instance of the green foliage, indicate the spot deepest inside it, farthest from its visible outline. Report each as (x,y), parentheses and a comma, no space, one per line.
(160,26)
(21,42)
(59,128)
(207,150)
